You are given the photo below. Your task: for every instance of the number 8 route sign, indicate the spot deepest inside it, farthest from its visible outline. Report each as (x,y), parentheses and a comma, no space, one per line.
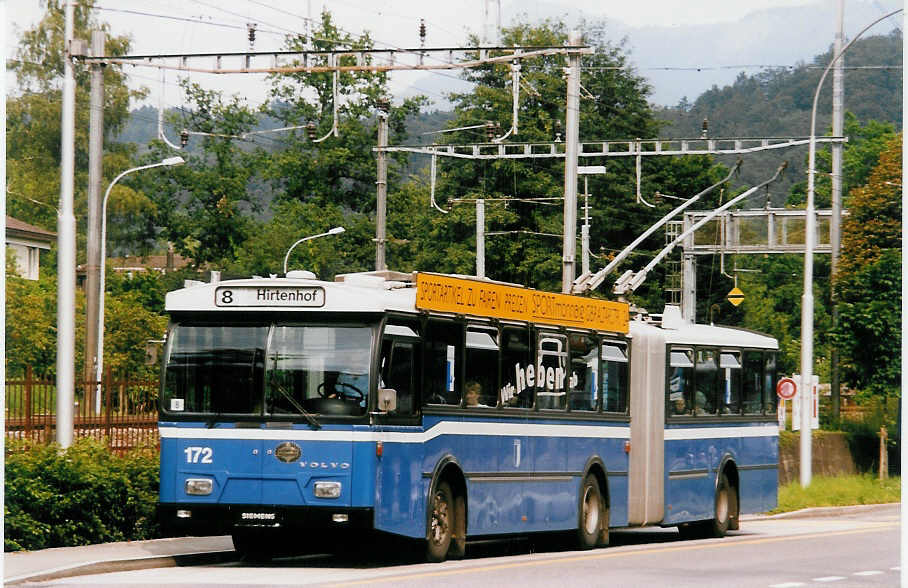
(786,388)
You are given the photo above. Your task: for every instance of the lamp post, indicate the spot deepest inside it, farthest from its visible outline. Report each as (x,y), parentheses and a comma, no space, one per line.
(334,231)
(807,298)
(100,337)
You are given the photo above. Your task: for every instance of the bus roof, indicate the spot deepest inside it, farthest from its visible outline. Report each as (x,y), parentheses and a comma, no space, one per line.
(290,294)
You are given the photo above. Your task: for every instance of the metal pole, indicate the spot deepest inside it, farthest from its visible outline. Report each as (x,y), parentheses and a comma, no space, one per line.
(99,364)
(93,237)
(571,144)
(382,192)
(807,297)
(66,246)
(3,265)
(835,235)
(480,238)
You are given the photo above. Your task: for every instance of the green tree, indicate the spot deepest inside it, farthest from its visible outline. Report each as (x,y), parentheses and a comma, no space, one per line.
(338,170)
(206,207)
(868,284)
(522,195)
(33,115)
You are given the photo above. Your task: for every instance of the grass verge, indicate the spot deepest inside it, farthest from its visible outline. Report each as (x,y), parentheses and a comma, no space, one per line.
(838,491)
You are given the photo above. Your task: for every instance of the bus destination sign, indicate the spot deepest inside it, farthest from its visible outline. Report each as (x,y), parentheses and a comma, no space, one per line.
(283,296)
(463,296)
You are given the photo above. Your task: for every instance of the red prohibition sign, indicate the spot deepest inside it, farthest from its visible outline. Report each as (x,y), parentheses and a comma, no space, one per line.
(786,388)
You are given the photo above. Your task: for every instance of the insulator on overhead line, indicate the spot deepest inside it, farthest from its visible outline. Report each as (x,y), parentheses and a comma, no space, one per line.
(704,132)
(184,138)
(490,130)
(250,31)
(422,32)
(310,130)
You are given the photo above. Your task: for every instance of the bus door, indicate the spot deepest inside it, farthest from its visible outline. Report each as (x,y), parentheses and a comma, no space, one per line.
(509,498)
(398,476)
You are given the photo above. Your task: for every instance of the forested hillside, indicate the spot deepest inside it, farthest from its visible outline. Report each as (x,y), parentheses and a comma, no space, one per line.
(777,103)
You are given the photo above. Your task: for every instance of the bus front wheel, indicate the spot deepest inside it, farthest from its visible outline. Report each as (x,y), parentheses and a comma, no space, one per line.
(593,514)
(441,523)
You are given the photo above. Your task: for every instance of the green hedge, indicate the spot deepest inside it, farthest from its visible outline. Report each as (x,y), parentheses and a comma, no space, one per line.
(80,496)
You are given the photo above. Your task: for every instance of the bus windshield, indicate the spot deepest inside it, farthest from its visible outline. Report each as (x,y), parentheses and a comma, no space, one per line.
(267,369)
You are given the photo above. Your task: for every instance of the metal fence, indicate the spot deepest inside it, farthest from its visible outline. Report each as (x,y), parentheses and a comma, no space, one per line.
(121,412)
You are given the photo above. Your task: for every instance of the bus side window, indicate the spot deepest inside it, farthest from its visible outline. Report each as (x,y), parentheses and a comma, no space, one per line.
(753,382)
(400,367)
(481,367)
(706,382)
(443,344)
(730,378)
(769,384)
(582,383)
(551,371)
(614,376)
(515,358)
(680,382)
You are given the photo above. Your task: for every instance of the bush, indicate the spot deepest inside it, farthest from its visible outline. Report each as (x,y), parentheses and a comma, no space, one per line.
(78,496)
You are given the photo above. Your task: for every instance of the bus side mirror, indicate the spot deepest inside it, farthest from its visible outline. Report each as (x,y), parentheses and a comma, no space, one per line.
(387,399)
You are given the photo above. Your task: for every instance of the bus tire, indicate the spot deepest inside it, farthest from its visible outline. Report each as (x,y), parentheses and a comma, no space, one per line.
(441,523)
(591,514)
(458,548)
(718,527)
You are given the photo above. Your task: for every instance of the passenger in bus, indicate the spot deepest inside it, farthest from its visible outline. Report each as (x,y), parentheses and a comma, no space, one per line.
(679,405)
(473,392)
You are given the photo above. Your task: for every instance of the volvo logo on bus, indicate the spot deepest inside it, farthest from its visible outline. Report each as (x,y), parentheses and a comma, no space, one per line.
(288,452)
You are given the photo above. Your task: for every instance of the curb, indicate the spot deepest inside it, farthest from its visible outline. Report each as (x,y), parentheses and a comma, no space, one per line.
(125,565)
(821,511)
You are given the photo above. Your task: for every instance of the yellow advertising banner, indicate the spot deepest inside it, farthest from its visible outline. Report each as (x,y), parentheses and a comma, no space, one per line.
(463,296)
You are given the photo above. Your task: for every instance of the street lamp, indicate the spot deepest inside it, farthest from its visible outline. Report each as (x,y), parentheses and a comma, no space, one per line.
(100,335)
(807,298)
(334,231)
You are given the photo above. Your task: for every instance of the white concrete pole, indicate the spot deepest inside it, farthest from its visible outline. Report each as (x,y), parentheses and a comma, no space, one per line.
(381,203)
(835,233)
(93,233)
(480,238)
(571,145)
(66,246)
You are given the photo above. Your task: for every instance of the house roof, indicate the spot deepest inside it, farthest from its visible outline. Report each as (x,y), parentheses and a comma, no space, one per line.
(18,228)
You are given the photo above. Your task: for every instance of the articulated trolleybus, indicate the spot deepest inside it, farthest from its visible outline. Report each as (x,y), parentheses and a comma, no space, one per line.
(444,408)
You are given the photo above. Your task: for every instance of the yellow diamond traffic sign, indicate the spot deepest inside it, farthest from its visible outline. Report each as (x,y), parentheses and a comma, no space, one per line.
(736,296)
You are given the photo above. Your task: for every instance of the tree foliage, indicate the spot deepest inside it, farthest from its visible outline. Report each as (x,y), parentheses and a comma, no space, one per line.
(33,115)
(524,213)
(868,282)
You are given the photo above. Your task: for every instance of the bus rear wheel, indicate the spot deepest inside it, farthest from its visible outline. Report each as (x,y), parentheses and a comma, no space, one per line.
(441,523)
(593,515)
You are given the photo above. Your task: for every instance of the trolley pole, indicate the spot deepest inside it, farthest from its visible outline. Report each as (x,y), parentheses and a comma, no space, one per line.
(571,144)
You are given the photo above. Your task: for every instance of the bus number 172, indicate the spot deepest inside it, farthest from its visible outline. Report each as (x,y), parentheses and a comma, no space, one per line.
(198,454)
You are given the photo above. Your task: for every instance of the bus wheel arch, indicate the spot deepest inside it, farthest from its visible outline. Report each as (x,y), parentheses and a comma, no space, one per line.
(446,512)
(594,472)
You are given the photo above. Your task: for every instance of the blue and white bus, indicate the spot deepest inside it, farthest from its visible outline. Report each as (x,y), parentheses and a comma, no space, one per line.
(445,408)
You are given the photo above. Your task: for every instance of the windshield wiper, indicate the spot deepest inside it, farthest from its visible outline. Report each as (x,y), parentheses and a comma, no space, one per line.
(299,407)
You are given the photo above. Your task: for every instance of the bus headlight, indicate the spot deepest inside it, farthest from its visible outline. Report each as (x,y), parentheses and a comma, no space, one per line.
(327,489)
(198,486)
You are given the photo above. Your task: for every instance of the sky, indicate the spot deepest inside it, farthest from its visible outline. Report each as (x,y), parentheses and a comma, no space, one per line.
(196,26)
